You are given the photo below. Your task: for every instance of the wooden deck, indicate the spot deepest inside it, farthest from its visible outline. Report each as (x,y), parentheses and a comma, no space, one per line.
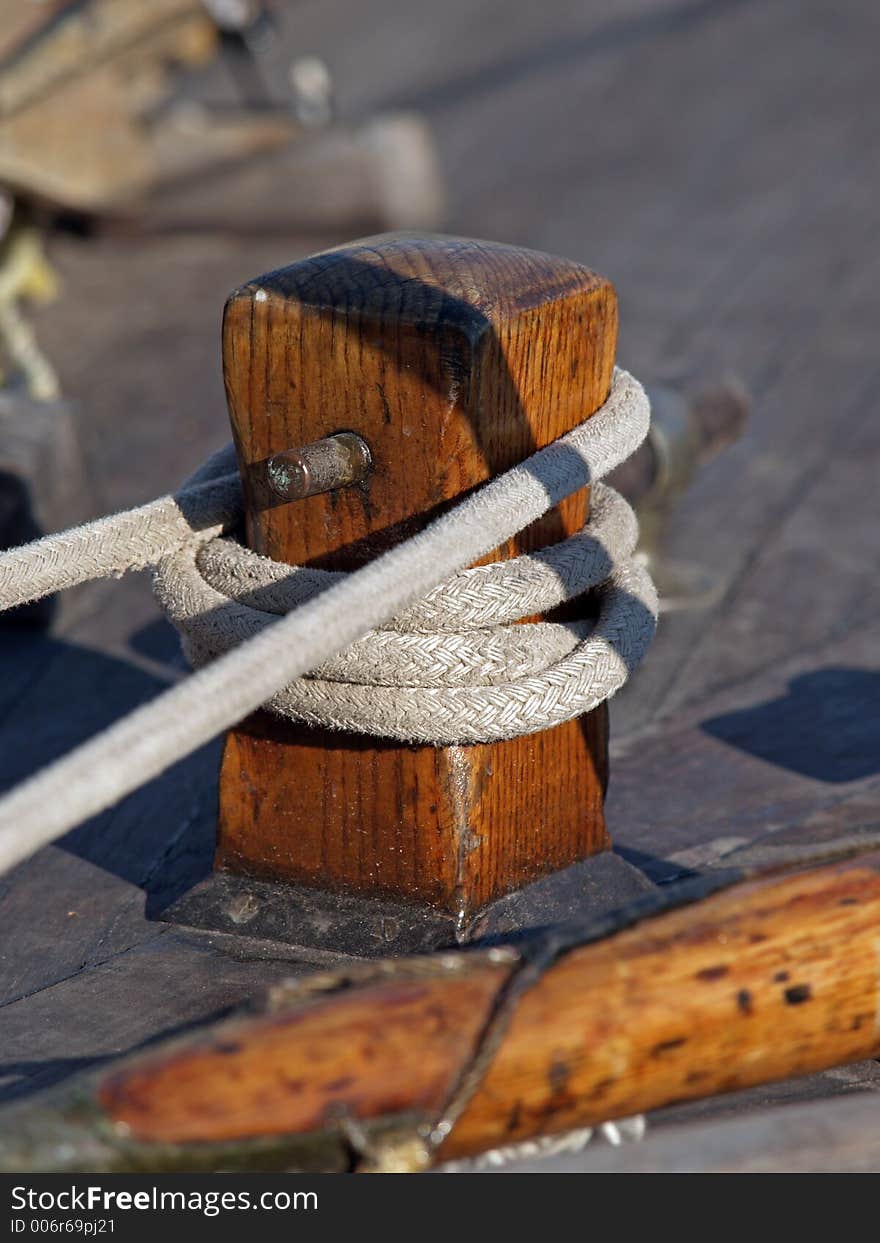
(718,159)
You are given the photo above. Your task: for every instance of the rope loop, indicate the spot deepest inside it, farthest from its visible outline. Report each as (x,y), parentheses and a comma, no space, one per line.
(456,667)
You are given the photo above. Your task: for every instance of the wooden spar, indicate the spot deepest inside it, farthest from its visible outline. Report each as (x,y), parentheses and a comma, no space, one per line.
(765,980)
(454,360)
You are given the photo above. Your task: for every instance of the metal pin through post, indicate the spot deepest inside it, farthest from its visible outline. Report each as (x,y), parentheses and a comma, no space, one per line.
(323,466)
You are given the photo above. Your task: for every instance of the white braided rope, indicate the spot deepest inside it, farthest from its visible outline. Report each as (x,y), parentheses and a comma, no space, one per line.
(343,610)
(132,540)
(449,670)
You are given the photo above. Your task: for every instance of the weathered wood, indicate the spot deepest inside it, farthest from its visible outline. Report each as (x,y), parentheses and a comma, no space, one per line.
(403,1051)
(127,997)
(454,360)
(81,902)
(766,981)
(769,979)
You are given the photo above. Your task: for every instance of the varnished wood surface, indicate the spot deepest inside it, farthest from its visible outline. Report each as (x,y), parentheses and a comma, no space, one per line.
(403,1054)
(767,980)
(454,359)
(739,226)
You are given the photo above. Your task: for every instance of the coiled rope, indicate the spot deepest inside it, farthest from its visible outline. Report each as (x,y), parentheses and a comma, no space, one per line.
(414,646)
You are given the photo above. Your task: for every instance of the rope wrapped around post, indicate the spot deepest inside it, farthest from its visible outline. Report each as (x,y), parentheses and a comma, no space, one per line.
(453,668)
(389,600)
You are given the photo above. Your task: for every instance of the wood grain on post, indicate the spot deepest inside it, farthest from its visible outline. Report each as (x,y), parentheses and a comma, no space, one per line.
(764,981)
(455,360)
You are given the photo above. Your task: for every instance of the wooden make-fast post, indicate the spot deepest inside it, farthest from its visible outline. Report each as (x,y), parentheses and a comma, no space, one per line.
(396,1064)
(453,360)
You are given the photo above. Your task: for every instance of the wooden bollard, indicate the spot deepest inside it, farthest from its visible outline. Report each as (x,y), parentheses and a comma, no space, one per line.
(453,360)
